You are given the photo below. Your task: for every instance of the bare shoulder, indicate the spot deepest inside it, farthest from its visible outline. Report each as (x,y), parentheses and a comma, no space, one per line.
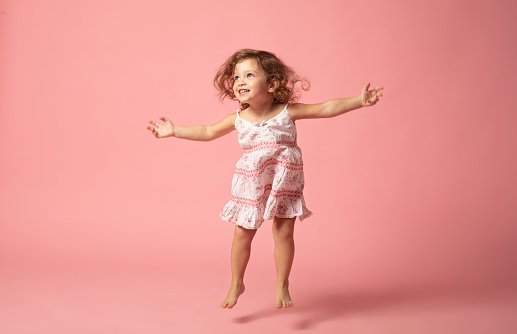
(303,111)
(221,128)
(293,110)
(230,119)
(227,124)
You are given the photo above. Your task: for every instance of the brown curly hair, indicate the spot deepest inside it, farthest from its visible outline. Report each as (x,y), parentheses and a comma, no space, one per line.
(274,69)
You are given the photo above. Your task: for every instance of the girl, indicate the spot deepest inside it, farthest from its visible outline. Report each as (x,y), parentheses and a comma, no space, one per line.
(268,181)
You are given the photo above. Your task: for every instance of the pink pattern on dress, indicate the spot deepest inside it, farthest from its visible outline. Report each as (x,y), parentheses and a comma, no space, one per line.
(268,179)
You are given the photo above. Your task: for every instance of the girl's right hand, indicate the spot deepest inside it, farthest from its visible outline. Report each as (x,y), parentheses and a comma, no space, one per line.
(162,130)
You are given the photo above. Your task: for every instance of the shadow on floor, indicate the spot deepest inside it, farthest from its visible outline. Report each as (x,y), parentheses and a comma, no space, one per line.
(314,309)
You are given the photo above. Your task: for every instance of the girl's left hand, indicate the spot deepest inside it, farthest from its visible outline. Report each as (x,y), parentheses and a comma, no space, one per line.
(370,97)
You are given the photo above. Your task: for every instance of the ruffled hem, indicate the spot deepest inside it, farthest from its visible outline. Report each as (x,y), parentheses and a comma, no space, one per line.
(251,217)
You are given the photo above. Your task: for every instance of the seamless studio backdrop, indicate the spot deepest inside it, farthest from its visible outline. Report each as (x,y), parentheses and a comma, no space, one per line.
(418,189)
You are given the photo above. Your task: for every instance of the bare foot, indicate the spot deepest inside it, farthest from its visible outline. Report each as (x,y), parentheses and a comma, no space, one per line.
(233,296)
(283,299)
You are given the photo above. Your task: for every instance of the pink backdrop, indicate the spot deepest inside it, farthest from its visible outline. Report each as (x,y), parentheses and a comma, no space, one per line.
(421,187)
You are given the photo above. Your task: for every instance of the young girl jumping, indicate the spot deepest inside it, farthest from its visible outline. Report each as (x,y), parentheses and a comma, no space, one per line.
(268,181)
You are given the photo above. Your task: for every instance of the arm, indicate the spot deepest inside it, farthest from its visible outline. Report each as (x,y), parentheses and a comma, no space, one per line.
(336,107)
(193,132)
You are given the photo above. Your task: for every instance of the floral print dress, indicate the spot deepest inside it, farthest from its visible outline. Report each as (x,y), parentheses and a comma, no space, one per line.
(268,179)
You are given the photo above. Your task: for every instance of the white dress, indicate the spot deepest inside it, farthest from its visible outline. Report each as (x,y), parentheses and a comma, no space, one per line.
(268,179)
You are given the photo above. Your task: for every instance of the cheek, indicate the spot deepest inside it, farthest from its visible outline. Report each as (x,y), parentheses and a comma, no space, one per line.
(235,89)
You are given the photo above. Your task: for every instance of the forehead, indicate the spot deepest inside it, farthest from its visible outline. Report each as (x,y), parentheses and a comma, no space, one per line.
(249,64)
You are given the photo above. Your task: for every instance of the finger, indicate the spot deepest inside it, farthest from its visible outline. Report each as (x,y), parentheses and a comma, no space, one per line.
(365,89)
(165,119)
(371,100)
(153,131)
(379,88)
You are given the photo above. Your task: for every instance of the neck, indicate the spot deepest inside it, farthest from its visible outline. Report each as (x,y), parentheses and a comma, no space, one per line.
(262,109)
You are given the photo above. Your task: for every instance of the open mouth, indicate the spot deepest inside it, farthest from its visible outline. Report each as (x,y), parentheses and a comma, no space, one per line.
(242,91)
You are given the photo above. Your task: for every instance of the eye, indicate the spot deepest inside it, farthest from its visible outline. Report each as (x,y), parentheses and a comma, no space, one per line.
(250,75)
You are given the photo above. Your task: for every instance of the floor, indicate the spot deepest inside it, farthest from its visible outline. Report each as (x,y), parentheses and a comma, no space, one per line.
(167,302)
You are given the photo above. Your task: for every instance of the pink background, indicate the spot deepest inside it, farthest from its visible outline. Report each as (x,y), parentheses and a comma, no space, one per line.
(418,191)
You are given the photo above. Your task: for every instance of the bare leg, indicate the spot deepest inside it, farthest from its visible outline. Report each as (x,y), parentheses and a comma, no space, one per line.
(283,234)
(241,250)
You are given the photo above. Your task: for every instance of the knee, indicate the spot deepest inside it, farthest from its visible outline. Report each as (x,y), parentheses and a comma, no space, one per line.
(244,234)
(283,232)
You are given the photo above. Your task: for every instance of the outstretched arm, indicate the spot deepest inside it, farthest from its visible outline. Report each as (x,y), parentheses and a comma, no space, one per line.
(193,132)
(335,107)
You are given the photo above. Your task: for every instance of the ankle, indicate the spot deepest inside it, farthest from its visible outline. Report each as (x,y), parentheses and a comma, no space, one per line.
(239,284)
(282,283)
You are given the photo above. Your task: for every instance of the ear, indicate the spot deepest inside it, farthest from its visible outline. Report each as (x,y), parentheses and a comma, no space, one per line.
(273,85)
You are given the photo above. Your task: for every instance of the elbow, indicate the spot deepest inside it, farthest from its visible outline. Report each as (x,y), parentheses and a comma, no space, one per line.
(326,111)
(209,136)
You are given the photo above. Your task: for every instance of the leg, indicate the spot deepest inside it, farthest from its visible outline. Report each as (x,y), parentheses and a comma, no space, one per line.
(283,234)
(241,250)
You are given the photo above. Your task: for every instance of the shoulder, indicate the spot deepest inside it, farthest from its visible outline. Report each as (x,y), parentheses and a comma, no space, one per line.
(229,120)
(230,117)
(221,128)
(306,111)
(296,110)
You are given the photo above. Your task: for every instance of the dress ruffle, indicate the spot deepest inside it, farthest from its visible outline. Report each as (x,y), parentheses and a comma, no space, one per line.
(252,217)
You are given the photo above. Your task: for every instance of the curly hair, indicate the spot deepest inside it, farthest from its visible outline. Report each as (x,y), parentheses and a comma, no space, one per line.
(274,69)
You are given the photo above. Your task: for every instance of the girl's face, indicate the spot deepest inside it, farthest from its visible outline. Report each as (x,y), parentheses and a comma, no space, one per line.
(250,83)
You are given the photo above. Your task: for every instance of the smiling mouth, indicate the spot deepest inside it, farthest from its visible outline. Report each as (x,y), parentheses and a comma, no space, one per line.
(242,91)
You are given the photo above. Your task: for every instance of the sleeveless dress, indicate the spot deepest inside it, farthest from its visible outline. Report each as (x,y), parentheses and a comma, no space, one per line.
(268,179)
